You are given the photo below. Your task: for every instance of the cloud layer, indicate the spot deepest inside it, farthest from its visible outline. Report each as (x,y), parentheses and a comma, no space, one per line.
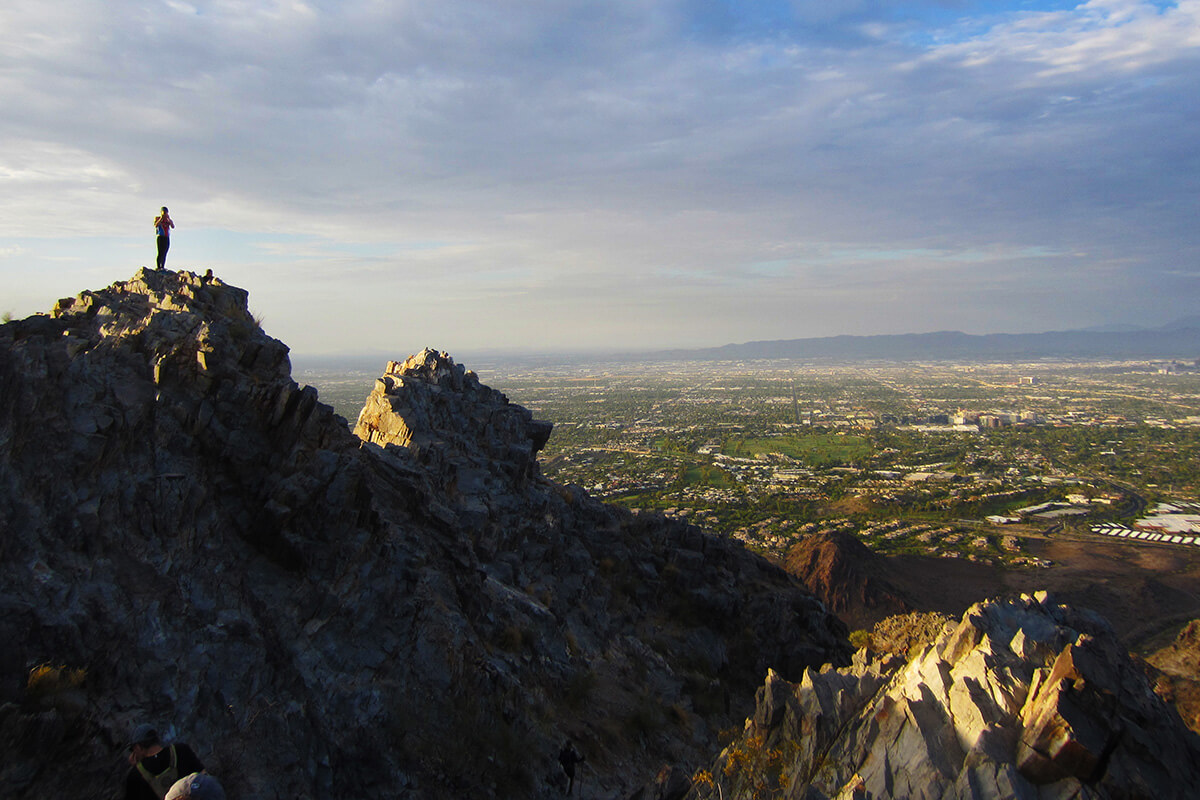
(547,174)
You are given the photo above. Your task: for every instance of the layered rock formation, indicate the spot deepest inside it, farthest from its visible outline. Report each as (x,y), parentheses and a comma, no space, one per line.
(202,544)
(1022,698)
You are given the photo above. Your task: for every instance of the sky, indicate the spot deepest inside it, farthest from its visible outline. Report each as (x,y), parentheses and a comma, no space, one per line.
(591,175)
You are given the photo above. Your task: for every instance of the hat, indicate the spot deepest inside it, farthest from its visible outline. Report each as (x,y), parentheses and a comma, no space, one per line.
(197,786)
(144,734)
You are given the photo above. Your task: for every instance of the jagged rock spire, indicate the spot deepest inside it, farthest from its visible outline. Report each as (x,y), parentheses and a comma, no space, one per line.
(1022,698)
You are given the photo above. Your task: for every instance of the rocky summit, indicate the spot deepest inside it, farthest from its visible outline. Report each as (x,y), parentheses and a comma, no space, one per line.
(190,539)
(1023,698)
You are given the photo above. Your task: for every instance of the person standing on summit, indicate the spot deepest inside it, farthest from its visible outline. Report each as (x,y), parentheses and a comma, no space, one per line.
(162,234)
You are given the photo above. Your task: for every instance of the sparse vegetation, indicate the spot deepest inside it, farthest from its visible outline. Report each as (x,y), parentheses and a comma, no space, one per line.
(580,688)
(47,679)
(514,639)
(756,770)
(485,737)
(55,686)
(646,717)
(905,633)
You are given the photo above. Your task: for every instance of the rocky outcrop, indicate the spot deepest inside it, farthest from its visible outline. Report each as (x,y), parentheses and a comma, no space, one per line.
(847,576)
(1023,698)
(1176,673)
(439,410)
(200,543)
(479,449)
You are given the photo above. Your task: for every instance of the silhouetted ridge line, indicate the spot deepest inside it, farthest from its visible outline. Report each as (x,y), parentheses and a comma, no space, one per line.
(1174,342)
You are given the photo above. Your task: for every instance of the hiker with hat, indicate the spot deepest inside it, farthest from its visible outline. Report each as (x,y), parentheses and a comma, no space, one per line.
(154,769)
(197,786)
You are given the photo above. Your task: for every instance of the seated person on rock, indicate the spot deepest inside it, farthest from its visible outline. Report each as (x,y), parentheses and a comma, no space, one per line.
(155,768)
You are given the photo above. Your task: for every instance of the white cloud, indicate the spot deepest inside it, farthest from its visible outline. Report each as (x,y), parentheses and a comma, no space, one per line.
(581,151)
(1099,36)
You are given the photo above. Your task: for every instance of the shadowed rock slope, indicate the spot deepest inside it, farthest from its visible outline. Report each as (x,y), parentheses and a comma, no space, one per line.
(203,545)
(1023,698)
(848,576)
(1176,672)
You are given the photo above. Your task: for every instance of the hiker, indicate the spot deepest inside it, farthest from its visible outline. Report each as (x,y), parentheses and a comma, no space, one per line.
(162,235)
(154,769)
(568,757)
(197,786)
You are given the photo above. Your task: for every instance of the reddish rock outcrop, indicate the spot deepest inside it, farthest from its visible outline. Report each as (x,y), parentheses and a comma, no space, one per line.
(847,576)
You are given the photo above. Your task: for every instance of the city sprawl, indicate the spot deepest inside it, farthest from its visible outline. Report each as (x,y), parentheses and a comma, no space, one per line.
(953,460)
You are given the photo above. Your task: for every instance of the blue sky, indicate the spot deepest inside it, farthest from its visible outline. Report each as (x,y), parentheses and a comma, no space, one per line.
(545,175)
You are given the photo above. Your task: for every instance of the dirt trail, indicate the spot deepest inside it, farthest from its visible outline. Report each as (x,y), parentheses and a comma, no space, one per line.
(1145,591)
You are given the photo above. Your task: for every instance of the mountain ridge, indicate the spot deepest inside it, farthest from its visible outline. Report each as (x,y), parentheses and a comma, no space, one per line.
(1176,340)
(323,617)
(1163,343)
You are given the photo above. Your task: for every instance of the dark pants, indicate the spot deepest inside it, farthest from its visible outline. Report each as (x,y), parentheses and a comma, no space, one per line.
(164,244)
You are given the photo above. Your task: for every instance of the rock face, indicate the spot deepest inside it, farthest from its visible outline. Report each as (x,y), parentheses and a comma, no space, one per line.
(477,446)
(200,543)
(1176,669)
(1023,698)
(847,576)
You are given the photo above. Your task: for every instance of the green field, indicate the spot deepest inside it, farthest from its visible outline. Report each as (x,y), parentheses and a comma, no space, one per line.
(816,449)
(706,475)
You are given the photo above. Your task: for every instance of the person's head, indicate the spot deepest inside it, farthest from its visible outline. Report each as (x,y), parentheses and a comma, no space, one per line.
(164,210)
(197,786)
(143,741)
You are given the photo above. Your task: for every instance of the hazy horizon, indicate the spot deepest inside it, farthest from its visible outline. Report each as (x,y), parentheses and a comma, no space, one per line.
(621,176)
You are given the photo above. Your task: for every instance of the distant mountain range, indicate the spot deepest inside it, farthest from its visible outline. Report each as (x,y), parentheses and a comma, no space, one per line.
(1177,340)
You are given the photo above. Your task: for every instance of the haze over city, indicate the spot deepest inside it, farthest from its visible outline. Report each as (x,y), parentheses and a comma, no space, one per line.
(619,174)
